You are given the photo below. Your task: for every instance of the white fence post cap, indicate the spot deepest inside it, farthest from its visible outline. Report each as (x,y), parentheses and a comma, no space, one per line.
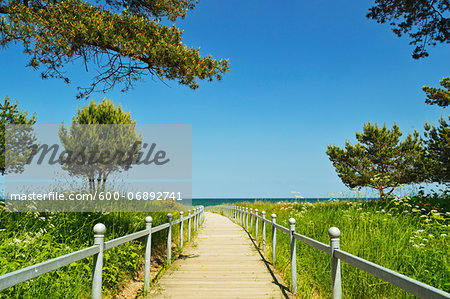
(334,232)
(99,229)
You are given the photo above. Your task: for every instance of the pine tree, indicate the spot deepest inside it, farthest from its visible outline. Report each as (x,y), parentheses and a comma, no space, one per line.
(379,159)
(123,40)
(438,96)
(101,140)
(19,138)
(437,141)
(426,21)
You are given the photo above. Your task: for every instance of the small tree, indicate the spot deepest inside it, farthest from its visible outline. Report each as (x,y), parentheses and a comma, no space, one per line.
(101,140)
(438,96)
(379,160)
(437,153)
(11,114)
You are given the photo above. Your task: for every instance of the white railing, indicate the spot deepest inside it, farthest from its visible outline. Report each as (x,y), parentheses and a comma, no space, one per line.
(19,276)
(244,215)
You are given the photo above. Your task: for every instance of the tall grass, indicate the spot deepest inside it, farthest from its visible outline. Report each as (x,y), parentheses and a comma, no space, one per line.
(30,238)
(399,235)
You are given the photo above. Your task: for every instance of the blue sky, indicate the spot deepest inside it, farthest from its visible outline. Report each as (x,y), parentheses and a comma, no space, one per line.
(304,74)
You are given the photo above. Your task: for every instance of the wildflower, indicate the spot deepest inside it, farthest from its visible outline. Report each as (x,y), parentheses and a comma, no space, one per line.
(416,246)
(423,216)
(443,235)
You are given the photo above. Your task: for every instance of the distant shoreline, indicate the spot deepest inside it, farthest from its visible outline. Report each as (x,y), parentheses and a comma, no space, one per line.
(217,201)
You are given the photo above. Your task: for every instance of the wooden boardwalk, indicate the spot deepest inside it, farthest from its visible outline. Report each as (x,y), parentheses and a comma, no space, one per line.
(220,263)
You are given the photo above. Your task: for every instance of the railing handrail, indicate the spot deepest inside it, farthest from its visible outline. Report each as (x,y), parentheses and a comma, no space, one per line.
(406,283)
(13,278)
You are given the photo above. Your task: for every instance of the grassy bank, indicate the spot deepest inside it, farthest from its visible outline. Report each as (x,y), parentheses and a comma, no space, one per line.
(407,235)
(30,238)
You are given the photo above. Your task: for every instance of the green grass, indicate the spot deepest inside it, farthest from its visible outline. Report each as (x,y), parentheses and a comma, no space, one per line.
(400,235)
(30,238)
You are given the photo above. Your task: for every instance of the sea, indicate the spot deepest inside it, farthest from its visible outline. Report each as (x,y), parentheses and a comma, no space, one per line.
(219,201)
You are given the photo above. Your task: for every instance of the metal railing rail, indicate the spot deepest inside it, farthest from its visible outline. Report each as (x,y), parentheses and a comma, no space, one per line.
(13,278)
(241,216)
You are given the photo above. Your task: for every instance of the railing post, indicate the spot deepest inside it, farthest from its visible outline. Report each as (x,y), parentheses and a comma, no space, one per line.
(148,254)
(169,240)
(251,221)
(203,214)
(293,255)
(334,234)
(195,217)
(189,226)
(263,214)
(198,219)
(274,239)
(181,229)
(256,226)
(99,239)
(240,217)
(247,215)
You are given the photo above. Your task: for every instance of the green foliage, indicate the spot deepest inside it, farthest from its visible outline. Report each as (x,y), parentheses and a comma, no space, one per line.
(115,146)
(125,40)
(11,114)
(437,152)
(104,112)
(379,160)
(438,96)
(425,22)
(30,238)
(400,235)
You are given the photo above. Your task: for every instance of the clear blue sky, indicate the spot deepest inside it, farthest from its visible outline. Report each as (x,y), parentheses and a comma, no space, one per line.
(304,74)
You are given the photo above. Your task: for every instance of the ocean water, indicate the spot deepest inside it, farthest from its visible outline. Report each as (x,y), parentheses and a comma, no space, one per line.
(218,201)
